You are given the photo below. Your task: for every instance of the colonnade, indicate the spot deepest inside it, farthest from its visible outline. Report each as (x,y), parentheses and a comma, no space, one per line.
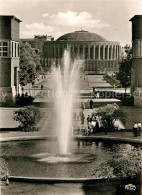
(88,52)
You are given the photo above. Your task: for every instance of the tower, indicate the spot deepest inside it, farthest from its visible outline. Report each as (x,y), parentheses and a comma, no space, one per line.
(9,56)
(136,75)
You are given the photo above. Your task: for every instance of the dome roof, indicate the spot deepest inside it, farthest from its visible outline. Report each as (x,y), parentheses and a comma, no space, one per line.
(81,36)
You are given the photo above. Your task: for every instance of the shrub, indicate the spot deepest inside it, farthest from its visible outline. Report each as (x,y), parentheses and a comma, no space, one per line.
(123,165)
(109,114)
(28,118)
(24,100)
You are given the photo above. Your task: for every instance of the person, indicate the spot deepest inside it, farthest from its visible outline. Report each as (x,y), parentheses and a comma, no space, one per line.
(97,125)
(88,119)
(139,128)
(135,129)
(91,118)
(91,104)
(97,95)
(41,86)
(93,126)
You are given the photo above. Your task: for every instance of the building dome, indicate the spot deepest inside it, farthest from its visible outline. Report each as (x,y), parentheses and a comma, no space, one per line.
(81,36)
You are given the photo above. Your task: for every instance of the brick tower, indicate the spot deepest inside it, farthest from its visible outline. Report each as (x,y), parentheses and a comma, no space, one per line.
(9,56)
(136,75)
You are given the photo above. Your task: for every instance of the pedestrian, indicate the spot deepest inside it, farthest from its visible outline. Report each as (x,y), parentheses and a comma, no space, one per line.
(41,86)
(91,118)
(91,104)
(88,119)
(135,129)
(93,126)
(97,125)
(97,95)
(139,128)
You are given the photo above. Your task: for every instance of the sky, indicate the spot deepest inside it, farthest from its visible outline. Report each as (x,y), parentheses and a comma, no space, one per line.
(108,18)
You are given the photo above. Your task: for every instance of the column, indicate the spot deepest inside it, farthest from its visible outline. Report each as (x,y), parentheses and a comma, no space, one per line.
(83,51)
(117,52)
(108,52)
(78,52)
(111,52)
(94,53)
(104,52)
(58,56)
(114,52)
(52,51)
(72,51)
(55,52)
(49,51)
(99,47)
(89,52)
(62,51)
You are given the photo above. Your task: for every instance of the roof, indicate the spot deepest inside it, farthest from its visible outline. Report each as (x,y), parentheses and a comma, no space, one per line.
(10,16)
(81,36)
(135,17)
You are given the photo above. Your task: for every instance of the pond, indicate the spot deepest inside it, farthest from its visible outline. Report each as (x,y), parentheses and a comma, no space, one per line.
(38,158)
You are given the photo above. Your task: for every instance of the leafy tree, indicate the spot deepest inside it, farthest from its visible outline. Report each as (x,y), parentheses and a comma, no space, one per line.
(124,74)
(30,65)
(109,114)
(28,118)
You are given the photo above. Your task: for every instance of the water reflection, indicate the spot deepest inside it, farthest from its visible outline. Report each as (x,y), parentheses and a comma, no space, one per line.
(32,158)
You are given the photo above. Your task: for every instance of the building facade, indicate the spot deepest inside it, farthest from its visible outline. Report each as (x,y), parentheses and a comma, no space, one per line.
(9,56)
(37,42)
(97,54)
(136,75)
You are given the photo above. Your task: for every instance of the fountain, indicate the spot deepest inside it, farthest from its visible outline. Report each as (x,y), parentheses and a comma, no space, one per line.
(65,84)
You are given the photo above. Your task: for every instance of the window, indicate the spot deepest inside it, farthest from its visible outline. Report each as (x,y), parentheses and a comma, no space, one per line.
(3,49)
(18,50)
(5,44)
(15,49)
(12,49)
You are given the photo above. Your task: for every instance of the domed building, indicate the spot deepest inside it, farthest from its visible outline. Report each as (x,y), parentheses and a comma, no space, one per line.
(97,53)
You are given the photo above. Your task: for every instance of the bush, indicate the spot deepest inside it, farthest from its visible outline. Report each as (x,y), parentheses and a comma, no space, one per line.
(125,166)
(28,118)
(122,165)
(109,114)
(24,100)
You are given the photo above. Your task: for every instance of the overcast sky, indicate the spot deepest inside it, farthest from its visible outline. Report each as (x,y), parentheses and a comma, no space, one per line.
(108,18)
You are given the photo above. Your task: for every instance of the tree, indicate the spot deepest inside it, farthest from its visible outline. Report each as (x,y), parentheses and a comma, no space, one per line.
(28,118)
(109,114)
(124,74)
(30,65)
